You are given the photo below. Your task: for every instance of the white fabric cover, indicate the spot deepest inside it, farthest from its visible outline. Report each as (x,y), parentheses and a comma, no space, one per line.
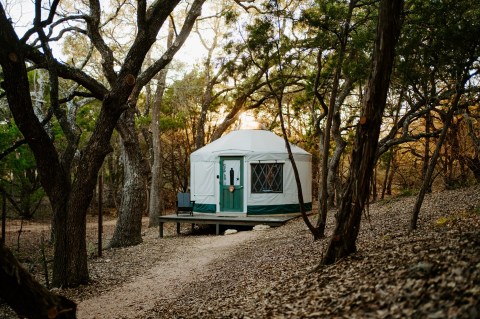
(255,146)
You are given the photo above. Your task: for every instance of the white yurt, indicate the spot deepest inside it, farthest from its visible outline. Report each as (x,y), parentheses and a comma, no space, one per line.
(247,172)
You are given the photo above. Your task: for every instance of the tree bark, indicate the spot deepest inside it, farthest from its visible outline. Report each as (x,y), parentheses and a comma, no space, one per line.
(432,164)
(156,200)
(426,159)
(364,150)
(70,192)
(387,172)
(340,144)
(156,197)
(128,230)
(27,297)
(391,155)
(328,125)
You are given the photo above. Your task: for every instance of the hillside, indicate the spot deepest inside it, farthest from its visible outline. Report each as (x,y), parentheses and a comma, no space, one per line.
(431,273)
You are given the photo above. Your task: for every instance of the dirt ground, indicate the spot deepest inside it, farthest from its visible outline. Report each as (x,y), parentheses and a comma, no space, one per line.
(165,280)
(433,272)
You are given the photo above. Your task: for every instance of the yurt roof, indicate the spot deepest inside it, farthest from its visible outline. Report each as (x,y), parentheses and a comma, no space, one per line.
(244,142)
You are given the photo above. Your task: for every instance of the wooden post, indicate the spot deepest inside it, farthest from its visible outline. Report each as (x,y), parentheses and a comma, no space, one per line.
(100,212)
(161,229)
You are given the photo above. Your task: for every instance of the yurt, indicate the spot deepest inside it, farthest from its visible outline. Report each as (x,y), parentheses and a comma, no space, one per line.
(248,172)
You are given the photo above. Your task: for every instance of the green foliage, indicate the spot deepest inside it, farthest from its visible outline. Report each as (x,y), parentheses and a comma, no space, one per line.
(405,192)
(260,39)
(143,120)
(87,116)
(230,16)
(172,124)
(18,172)
(433,41)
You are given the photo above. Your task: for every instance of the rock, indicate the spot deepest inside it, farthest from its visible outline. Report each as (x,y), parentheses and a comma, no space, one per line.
(422,269)
(261,227)
(230,231)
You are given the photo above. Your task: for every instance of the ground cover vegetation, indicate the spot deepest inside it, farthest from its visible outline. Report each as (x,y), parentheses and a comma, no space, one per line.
(384,95)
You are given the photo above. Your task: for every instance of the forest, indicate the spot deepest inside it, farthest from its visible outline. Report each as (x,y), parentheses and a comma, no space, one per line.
(384,94)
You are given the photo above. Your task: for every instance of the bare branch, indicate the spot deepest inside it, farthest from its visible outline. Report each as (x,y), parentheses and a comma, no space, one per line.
(93,29)
(67,72)
(248,7)
(39,23)
(74,94)
(151,71)
(113,16)
(141,13)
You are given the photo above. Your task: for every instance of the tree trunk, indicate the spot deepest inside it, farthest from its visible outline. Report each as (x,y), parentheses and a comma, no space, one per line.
(374,185)
(70,253)
(364,150)
(426,158)
(134,193)
(333,105)
(340,144)
(311,227)
(156,184)
(394,165)
(387,171)
(387,182)
(27,297)
(155,200)
(432,164)
(474,165)
(70,192)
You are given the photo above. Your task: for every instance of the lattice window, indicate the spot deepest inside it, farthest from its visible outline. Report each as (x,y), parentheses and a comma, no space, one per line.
(267,178)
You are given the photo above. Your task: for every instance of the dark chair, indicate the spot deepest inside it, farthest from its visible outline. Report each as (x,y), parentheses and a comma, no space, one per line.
(184,204)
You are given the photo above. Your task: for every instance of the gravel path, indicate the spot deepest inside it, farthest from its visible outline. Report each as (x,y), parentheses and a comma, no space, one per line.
(165,279)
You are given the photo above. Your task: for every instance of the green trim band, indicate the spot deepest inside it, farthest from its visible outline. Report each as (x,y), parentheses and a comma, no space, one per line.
(276,209)
(205,208)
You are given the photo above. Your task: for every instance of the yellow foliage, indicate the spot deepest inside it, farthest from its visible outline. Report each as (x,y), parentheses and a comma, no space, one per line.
(442,221)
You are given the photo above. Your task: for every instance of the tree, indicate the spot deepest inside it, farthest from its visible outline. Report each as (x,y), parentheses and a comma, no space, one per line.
(473,162)
(155,198)
(26,296)
(333,108)
(433,51)
(342,243)
(70,187)
(447,122)
(212,76)
(134,191)
(281,60)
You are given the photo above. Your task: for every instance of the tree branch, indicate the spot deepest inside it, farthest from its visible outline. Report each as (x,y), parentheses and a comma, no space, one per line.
(151,71)
(67,72)
(26,296)
(93,30)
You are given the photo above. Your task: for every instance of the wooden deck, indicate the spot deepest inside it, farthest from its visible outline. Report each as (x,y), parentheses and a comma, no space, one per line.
(273,221)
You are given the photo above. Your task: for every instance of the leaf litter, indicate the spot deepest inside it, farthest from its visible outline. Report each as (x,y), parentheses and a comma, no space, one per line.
(433,272)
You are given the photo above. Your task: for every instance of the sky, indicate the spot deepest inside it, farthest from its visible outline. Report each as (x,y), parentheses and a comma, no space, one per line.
(22,14)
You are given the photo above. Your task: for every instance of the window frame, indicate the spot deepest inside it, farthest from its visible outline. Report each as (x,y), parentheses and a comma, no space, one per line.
(254,178)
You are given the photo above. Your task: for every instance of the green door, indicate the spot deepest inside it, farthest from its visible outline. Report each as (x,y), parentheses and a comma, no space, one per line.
(231,184)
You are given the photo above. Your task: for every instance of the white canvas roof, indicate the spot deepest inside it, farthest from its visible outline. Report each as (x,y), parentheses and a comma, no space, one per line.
(254,144)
